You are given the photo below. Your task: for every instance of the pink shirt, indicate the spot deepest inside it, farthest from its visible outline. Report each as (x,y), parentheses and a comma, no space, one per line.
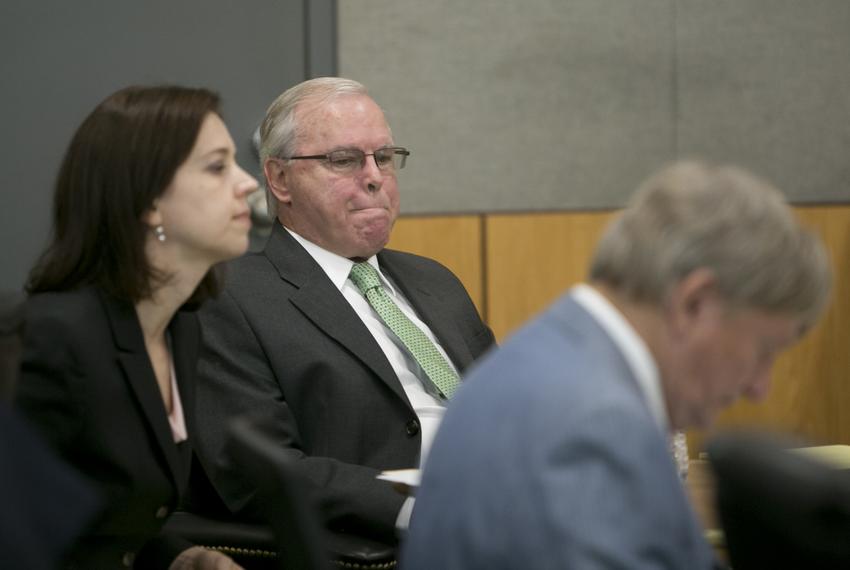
(175,418)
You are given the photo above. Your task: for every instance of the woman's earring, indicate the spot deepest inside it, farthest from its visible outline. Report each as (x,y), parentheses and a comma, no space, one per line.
(159,232)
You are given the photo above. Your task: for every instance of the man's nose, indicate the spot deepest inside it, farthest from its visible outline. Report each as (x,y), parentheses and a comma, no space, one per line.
(372,175)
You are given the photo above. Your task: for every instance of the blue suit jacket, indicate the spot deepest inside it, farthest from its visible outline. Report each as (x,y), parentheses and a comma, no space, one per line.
(549,458)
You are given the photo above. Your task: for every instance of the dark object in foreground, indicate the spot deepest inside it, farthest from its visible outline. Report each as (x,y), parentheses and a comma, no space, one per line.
(780,509)
(294,538)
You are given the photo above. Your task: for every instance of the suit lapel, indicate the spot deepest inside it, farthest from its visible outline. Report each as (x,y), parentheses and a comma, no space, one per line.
(185,342)
(135,363)
(322,303)
(431,308)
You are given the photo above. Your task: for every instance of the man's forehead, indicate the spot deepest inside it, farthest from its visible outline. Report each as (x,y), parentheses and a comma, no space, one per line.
(337,107)
(335,121)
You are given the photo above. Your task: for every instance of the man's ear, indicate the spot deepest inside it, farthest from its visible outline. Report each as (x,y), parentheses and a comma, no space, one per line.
(692,298)
(277,179)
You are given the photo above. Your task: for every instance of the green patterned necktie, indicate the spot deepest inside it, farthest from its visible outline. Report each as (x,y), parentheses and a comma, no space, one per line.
(417,342)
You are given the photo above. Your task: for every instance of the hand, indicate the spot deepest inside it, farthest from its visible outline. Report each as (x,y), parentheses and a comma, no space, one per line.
(200,558)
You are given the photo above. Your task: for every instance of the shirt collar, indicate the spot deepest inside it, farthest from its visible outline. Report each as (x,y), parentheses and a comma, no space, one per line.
(630,344)
(335,266)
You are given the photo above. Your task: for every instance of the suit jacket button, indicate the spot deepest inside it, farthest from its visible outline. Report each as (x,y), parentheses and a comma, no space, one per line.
(127,559)
(162,512)
(412,428)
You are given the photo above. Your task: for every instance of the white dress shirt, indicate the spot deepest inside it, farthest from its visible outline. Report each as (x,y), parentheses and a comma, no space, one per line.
(426,403)
(423,397)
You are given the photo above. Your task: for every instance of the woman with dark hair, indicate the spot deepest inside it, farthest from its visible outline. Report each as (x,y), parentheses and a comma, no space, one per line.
(148,199)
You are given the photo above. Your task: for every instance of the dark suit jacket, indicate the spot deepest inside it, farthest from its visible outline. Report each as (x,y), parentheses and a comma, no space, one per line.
(87,384)
(283,345)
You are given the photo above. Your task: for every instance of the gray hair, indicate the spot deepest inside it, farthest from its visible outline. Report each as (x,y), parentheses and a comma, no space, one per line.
(280,131)
(693,215)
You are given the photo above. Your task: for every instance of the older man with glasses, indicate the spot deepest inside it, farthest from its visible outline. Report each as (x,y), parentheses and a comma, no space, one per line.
(345,351)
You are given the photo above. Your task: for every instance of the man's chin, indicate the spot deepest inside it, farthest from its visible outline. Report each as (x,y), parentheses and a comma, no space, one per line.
(368,246)
(373,238)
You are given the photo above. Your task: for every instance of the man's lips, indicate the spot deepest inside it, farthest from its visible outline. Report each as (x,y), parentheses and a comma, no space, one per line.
(369,208)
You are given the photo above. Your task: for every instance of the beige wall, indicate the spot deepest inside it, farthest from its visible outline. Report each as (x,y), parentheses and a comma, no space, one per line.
(546,105)
(516,264)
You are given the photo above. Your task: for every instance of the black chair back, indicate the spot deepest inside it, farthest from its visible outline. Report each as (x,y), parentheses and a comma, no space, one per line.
(301,540)
(780,509)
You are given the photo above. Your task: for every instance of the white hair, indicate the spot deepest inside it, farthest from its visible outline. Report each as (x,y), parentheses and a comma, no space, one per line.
(692,215)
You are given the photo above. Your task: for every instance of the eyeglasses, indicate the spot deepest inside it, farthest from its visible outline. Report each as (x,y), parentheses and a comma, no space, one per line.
(350,160)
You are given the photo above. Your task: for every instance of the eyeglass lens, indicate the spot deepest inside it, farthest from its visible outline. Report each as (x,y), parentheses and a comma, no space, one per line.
(351,159)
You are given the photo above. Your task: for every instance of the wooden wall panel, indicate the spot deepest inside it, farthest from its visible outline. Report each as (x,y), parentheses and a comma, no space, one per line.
(454,241)
(532,259)
(527,260)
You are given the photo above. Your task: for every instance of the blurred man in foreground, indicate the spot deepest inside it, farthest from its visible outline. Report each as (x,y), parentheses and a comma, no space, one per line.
(554,453)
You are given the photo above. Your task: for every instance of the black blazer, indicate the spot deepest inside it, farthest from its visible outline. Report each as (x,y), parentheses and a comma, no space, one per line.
(283,345)
(87,384)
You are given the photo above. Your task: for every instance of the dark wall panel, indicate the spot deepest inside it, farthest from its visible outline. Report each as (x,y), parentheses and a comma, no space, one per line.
(59,59)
